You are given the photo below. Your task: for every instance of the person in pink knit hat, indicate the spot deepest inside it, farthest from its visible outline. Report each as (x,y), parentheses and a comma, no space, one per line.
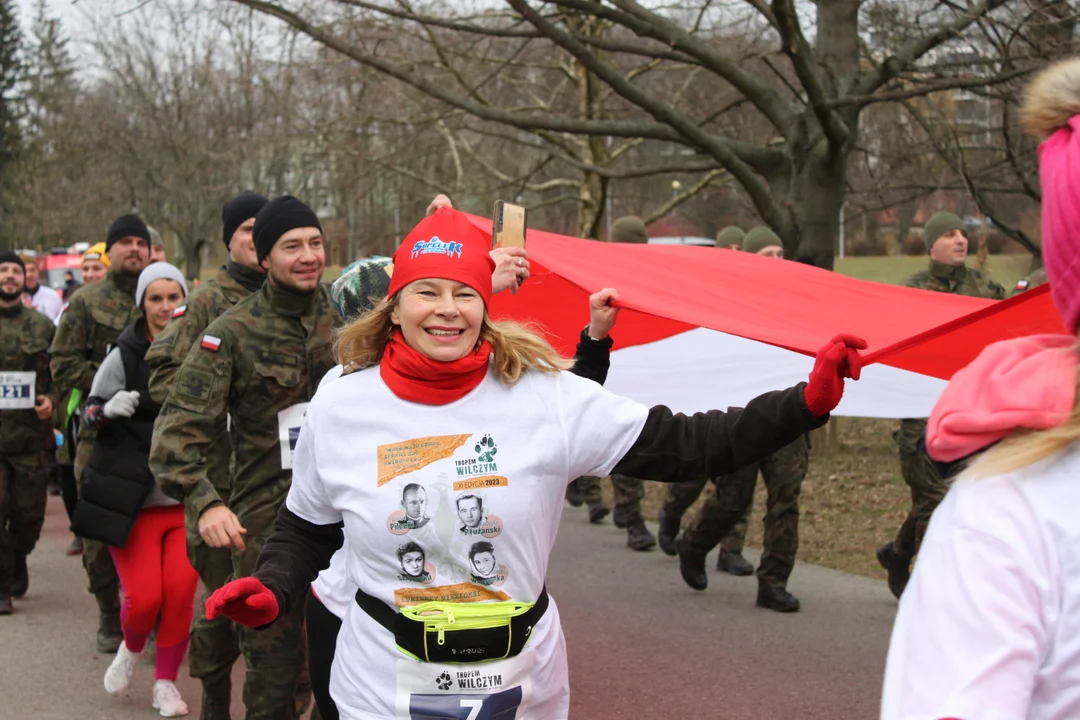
(989,626)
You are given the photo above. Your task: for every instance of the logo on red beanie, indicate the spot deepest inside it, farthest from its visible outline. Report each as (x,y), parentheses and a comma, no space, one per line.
(435,246)
(445,245)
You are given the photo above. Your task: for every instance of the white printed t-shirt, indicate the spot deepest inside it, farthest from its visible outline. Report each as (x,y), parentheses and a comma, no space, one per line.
(394,472)
(989,626)
(332,587)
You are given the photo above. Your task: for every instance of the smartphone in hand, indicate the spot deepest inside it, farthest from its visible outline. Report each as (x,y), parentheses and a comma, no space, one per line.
(508,229)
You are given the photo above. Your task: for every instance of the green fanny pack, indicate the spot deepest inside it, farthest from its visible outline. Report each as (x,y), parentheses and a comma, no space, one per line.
(446,632)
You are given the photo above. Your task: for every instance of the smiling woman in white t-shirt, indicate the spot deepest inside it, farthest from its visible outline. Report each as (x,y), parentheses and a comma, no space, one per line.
(437,396)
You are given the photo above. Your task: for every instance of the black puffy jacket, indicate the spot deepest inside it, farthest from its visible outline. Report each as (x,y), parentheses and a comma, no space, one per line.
(117,480)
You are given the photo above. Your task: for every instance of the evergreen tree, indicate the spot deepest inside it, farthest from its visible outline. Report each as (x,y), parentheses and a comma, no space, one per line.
(10,109)
(11,70)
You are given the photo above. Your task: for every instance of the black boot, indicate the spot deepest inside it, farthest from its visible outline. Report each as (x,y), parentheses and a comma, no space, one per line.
(20,577)
(574,495)
(6,608)
(733,564)
(216,699)
(598,510)
(638,536)
(669,529)
(109,634)
(620,517)
(691,565)
(899,570)
(777,598)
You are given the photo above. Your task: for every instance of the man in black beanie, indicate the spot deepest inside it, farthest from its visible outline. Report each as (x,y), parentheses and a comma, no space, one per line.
(90,323)
(214,645)
(281,216)
(128,245)
(24,426)
(259,364)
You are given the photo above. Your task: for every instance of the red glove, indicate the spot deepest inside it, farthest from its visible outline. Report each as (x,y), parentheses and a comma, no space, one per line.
(246,601)
(838,360)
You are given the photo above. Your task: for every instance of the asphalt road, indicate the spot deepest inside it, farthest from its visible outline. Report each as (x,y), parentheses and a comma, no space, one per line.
(642,645)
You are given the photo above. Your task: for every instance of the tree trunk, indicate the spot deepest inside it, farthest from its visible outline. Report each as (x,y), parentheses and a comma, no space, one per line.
(592,194)
(192,251)
(816,195)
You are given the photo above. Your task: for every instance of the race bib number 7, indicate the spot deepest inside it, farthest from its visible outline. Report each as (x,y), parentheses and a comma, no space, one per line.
(481,691)
(499,706)
(17,390)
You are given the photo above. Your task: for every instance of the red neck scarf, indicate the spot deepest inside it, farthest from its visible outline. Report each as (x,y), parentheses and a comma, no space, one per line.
(413,376)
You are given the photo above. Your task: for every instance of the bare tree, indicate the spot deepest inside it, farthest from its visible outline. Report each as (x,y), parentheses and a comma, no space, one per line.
(807,92)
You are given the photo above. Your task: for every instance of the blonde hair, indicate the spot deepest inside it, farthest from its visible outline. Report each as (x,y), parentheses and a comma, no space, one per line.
(1025,447)
(515,348)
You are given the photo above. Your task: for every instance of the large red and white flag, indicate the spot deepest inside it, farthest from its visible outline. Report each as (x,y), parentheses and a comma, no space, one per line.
(704,328)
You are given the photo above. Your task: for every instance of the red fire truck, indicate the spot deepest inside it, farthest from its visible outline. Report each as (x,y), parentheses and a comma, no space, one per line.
(56,263)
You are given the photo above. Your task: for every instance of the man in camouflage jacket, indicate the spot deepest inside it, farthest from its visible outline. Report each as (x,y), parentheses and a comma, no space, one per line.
(25,412)
(89,325)
(214,646)
(723,518)
(259,364)
(947,243)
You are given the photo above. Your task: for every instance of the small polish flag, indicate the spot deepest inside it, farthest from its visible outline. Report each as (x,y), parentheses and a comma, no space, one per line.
(211,343)
(179,311)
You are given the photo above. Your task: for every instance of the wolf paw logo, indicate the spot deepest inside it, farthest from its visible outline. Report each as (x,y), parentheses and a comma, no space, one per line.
(444,681)
(486,449)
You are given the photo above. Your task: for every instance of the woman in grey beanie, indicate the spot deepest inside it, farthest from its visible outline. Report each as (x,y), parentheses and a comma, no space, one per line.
(121,505)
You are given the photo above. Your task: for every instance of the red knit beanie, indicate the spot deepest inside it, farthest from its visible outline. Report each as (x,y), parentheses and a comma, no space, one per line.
(445,245)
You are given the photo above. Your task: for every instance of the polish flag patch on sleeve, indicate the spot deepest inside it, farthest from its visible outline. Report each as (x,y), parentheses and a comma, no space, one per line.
(178,312)
(210,343)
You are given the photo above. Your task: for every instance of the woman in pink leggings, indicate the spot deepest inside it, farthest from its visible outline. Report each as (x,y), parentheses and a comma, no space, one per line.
(120,503)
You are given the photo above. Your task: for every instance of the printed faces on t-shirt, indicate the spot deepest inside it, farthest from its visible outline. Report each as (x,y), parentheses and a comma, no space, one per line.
(442,496)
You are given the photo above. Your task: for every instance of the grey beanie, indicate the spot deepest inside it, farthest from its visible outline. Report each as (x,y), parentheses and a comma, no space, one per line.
(158,271)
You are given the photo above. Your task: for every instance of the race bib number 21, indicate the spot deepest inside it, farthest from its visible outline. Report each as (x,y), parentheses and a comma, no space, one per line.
(17,390)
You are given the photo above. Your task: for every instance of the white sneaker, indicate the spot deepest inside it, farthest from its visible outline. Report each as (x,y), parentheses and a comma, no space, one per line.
(118,676)
(167,700)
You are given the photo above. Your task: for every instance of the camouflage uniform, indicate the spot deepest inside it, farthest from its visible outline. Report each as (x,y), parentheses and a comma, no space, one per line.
(214,646)
(25,336)
(629,492)
(927,486)
(90,324)
(729,504)
(264,356)
(680,496)
(590,488)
